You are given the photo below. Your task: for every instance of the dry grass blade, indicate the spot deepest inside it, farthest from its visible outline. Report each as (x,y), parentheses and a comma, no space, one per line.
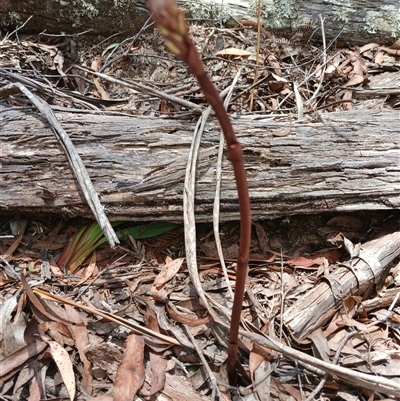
(108,316)
(218,180)
(357,379)
(75,160)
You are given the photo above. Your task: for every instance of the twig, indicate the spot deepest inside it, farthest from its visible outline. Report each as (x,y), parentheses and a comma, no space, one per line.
(75,161)
(63,35)
(213,380)
(315,71)
(15,30)
(189,215)
(321,384)
(257,53)
(282,300)
(322,77)
(318,366)
(50,90)
(145,89)
(137,328)
(107,62)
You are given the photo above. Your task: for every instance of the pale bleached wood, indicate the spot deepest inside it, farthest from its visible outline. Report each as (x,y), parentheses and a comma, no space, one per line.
(359,276)
(342,162)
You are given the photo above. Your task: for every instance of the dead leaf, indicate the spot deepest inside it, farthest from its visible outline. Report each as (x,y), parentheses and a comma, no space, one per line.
(4,279)
(96,64)
(287,388)
(44,310)
(367,47)
(100,398)
(393,52)
(34,390)
(395,317)
(344,222)
(379,57)
(262,376)
(58,331)
(130,373)
(190,319)
(282,133)
(317,259)
(276,86)
(89,270)
(274,103)
(255,361)
(395,45)
(158,367)
(263,241)
(104,95)
(80,334)
(346,312)
(8,254)
(275,64)
(106,357)
(232,51)
(64,365)
(12,326)
(11,364)
(59,62)
(359,67)
(354,80)
(320,345)
(348,96)
(168,272)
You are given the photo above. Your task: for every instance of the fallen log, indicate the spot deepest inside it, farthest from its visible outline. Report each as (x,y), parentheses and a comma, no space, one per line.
(346,161)
(360,276)
(357,21)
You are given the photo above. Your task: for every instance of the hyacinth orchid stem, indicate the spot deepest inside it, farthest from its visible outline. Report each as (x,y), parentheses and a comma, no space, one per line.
(173,27)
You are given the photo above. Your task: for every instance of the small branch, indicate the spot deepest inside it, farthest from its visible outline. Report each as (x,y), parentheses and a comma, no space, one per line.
(213,380)
(75,161)
(144,89)
(324,63)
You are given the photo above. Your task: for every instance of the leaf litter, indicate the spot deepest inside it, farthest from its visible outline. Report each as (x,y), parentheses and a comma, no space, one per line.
(160,297)
(54,349)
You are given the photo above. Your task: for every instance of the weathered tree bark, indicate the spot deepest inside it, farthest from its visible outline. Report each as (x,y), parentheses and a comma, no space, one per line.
(362,21)
(346,161)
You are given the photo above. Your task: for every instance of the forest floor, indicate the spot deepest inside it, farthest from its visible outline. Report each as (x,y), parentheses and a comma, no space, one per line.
(127,321)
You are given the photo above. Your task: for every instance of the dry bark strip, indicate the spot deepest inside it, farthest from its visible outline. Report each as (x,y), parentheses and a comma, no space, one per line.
(342,162)
(360,276)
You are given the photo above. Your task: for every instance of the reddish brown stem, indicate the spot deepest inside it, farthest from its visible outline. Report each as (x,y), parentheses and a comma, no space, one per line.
(235,154)
(169,19)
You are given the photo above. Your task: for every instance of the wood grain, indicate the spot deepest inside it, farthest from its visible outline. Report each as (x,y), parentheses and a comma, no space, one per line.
(342,162)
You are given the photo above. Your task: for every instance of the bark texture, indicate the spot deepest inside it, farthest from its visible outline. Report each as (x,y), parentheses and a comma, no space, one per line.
(341,162)
(359,276)
(362,21)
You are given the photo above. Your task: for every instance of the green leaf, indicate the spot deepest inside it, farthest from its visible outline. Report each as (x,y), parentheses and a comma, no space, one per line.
(148,230)
(109,47)
(89,237)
